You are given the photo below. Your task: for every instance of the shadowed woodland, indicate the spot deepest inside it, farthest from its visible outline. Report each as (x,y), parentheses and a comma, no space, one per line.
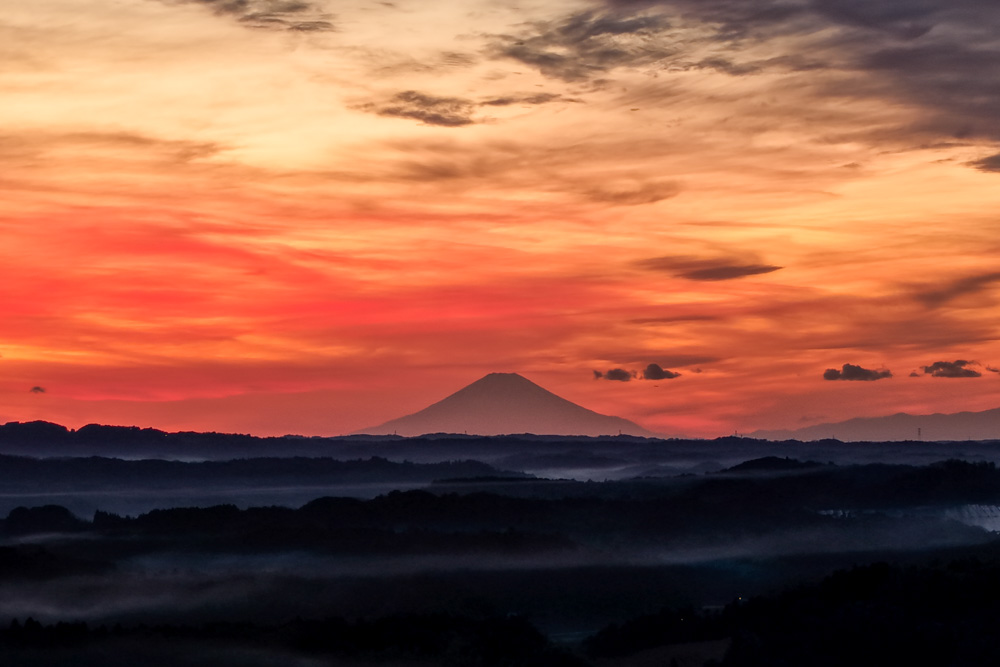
(768,560)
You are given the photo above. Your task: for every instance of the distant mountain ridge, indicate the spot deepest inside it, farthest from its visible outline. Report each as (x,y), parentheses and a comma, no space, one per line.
(504,403)
(984,425)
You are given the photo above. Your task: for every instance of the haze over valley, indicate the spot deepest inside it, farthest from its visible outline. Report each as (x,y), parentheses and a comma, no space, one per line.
(568,558)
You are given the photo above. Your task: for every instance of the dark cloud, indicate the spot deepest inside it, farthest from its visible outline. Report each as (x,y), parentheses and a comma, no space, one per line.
(952,369)
(906,20)
(428,109)
(728,272)
(273,14)
(615,374)
(950,77)
(914,374)
(957,84)
(851,372)
(993,370)
(761,19)
(694,268)
(732,20)
(991,163)
(957,288)
(37,390)
(655,372)
(938,59)
(586,45)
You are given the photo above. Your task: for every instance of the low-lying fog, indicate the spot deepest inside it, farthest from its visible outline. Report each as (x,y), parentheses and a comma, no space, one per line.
(572,553)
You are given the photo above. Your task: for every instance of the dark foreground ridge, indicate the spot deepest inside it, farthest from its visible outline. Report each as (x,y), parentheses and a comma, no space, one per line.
(732,566)
(25,474)
(45,439)
(39,438)
(931,613)
(411,639)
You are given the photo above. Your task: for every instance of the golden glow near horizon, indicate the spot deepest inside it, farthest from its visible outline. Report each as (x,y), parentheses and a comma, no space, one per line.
(312,217)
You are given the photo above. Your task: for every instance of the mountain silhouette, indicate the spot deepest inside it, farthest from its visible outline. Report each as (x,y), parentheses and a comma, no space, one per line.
(983,425)
(504,403)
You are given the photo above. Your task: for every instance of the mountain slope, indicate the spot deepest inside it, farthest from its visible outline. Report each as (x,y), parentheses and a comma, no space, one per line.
(983,425)
(502,403)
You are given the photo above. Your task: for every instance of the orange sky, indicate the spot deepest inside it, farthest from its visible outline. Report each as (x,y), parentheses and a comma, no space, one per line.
(284,216)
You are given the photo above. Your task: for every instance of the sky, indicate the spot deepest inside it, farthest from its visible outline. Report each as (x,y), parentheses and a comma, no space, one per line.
(308,216)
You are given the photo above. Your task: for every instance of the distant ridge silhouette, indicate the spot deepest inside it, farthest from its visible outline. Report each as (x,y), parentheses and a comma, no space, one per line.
(983,425)
(504,403)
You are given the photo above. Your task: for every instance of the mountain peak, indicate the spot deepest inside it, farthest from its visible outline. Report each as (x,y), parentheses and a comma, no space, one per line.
(503,403)
(503,379)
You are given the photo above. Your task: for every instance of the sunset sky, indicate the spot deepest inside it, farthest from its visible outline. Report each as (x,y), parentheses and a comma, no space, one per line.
(308,216)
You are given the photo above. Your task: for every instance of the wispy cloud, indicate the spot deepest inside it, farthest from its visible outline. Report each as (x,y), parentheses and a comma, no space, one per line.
(34,145)
(955,289)
(535,98)
(634,193)
(272,14)
(989,164)
(693,268)
(586,45)
(731,20)
(427,109)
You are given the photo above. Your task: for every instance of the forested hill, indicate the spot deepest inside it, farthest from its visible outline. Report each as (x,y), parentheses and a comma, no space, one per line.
(20,473)
(41,438)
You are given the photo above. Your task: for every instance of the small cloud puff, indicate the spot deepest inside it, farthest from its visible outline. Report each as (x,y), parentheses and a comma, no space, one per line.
(952,369)
(615,374)
(850,372)
(655,372)
(651,372)
(37,390)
